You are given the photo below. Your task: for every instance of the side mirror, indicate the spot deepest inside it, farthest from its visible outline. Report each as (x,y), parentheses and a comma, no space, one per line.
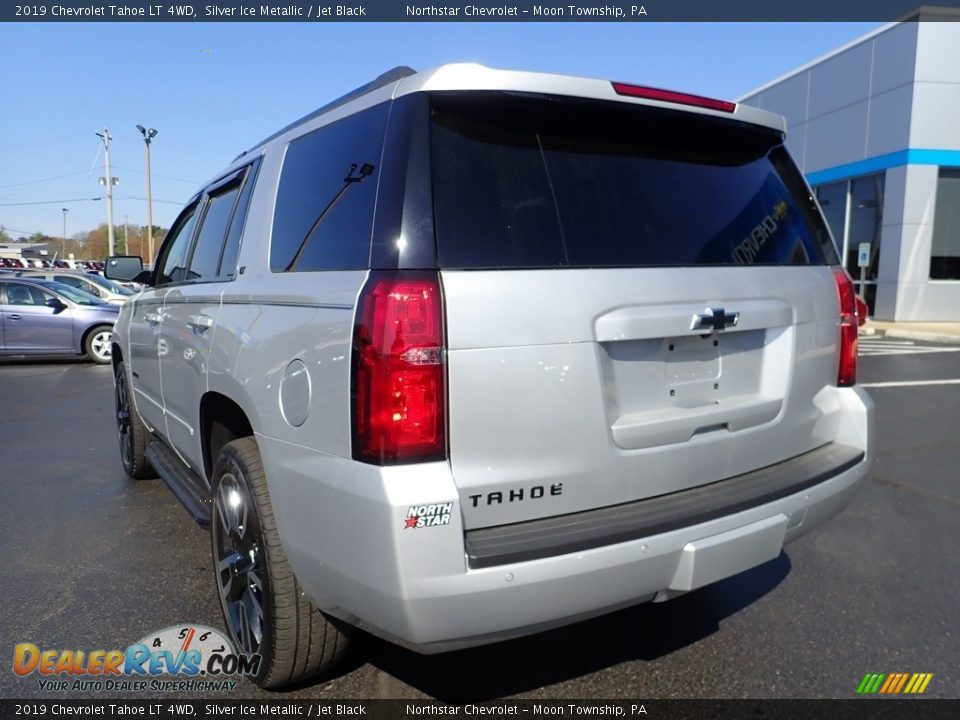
(57,304)
(123,267)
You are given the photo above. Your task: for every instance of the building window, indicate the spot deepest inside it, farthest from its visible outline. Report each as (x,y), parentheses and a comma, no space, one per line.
(854,211)
(866,217)
(945,253)
(833,201)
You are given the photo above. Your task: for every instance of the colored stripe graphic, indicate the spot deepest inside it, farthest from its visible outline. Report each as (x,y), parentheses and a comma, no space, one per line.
(903,681)
(870,683)
(894,683)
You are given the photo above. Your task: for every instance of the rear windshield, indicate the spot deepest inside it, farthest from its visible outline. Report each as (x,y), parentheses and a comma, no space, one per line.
(534,182)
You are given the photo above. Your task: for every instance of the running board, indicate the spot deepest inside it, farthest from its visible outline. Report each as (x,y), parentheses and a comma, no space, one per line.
(185,484)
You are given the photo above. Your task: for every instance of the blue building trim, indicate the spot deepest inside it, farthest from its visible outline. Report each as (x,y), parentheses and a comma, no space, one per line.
(910,156)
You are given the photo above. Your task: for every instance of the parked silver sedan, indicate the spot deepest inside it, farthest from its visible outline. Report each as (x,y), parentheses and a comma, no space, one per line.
(39,317)
(96,285)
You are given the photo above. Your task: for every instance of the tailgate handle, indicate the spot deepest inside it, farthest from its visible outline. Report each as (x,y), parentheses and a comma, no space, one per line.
(677,425)
(647,322)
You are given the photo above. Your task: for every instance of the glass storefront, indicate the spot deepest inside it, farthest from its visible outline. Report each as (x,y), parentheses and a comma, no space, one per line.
(854,211)
(945,252)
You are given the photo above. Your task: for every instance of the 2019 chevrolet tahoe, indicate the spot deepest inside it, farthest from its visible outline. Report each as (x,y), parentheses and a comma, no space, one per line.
(471,353)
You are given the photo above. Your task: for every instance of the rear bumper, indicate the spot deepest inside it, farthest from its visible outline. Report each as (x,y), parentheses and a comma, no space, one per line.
(565,534)
(344,528)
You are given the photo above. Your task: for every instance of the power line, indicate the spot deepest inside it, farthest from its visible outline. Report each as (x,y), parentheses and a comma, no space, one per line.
(17,230)
(51,202)
(165,177)
(43,180)
(168,202)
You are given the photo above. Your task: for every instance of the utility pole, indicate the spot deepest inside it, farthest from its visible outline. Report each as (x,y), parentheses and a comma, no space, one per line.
(126,235)
(148,136)
(63,249)
(109,182)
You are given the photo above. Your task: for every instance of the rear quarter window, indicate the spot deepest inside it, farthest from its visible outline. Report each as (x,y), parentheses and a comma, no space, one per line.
(323,217)
(525,182)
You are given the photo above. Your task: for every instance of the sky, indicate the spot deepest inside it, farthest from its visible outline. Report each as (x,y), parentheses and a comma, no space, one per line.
(213,90)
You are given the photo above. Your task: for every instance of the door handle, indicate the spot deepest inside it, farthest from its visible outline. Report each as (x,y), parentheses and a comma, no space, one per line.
(200,323)
(15,317)
(152,318)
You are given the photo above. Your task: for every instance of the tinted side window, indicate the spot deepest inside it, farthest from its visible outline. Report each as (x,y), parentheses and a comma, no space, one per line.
(79,283)
(18,294)
(173,260)
(228,262)
(213,229)
(325,201)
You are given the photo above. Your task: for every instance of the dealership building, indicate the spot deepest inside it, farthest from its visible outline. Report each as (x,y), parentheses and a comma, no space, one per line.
(875,127)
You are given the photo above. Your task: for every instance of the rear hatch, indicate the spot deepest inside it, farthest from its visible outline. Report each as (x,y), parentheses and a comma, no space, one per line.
(639,301)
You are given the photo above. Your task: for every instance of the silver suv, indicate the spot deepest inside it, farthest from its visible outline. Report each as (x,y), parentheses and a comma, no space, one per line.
(107,290)
(467,354)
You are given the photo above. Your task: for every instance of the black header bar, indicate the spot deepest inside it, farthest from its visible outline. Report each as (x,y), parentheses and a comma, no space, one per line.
(480,11)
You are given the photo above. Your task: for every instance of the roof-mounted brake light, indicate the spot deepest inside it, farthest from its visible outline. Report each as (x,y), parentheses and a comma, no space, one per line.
(650,93)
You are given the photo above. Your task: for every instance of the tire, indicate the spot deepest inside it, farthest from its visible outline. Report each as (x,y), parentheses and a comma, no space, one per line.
(97,344)
(131,432)
(263,605)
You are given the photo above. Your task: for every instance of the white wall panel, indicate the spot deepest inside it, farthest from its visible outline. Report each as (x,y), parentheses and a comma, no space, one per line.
(836,138)
(841,80)
(893,57)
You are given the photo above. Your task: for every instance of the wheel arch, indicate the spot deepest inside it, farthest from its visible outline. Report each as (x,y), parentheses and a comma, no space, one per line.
(222,420)
(116,354)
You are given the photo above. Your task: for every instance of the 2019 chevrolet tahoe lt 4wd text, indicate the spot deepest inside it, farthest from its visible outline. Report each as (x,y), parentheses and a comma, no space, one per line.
(469,353)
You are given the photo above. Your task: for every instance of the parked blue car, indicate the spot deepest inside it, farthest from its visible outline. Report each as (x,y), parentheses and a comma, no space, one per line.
(41,317)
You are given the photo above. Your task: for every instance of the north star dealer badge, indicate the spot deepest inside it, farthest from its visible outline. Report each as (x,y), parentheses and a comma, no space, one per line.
(419,516)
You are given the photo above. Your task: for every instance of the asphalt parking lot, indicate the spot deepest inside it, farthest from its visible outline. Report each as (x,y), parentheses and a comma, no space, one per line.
(96,561)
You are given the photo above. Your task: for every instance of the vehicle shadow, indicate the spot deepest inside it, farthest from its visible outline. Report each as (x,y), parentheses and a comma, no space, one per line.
(643,632)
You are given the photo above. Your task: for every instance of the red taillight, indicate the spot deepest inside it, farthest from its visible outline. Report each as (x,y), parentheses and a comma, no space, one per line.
(399,376)
(650,93)
(847,372)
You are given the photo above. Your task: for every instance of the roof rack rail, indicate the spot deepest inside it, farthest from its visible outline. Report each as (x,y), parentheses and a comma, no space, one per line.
(390,76)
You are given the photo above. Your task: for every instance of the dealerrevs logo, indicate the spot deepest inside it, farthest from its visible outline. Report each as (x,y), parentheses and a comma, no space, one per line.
(200,657)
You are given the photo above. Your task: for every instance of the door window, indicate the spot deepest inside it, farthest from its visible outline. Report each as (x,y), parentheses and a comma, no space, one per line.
(173,256)
(206,254)
(79,283)
(231,250)
(26,295)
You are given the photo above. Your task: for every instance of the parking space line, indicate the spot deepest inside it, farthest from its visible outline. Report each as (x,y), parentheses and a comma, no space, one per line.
(909,383)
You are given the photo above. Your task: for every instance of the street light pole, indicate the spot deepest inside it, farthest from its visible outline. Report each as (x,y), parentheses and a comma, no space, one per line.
(148,135)
(63,247)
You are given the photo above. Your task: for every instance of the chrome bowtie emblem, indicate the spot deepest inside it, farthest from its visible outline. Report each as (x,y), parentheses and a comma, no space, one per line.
(715,320)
